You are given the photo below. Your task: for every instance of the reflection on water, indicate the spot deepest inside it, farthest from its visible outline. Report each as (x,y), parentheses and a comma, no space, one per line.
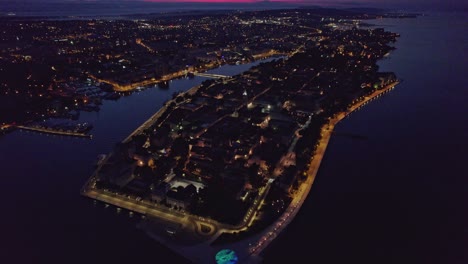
(396,197)
(44,217)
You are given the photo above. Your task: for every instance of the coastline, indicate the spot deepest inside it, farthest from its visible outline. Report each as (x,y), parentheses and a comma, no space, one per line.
(387,187)
(179,74)
(260,241)
(146,208)
(190,91)
(314,166)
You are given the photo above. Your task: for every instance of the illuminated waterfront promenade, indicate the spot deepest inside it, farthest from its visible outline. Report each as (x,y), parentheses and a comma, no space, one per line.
(55,132)
(182,73)
(249,249)
(269,234)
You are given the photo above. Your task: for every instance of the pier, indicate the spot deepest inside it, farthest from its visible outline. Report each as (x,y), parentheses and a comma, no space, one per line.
(55,132)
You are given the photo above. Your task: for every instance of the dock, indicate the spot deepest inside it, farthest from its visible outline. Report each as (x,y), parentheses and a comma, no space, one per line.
(54,131)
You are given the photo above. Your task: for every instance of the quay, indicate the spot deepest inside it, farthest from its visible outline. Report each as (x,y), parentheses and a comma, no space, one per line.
(155,116)
(250,248)
(179,74)
(54,132)
(270,233)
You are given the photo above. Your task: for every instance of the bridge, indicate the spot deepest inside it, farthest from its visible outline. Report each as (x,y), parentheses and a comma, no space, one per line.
(209,75)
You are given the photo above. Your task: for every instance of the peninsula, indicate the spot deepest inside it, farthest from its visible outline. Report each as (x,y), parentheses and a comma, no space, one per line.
(228,163)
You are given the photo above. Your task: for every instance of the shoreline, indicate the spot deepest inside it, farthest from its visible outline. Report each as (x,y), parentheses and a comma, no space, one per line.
(314,166)
(89,190)
(179,74)
(249,248)
(190,91)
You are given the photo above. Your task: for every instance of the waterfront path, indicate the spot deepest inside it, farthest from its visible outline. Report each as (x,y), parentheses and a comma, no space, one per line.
(209,66)
(269,234)
(55,132)
(248,249)
(154,117)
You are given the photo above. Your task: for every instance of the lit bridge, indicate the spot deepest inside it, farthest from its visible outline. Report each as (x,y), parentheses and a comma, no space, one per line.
(209,75)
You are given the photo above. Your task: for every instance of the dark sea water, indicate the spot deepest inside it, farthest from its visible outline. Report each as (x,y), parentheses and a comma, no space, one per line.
(398,197)
(401,195)
(43,217)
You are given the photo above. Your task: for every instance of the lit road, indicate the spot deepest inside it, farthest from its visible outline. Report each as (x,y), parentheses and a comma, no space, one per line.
(271,232)
(149,208)
(266,54)
(141,207)
(132,86)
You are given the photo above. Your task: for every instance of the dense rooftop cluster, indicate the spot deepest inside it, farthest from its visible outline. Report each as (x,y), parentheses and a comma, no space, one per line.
(54,68)
(211,152)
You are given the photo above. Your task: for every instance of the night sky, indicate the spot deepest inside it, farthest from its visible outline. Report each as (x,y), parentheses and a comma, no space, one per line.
(456,5)
(423,4)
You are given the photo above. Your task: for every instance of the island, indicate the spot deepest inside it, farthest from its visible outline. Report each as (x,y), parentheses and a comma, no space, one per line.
(222,168)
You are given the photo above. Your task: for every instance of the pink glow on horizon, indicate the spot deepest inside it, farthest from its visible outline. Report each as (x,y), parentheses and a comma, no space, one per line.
(222,1)
(204,1)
